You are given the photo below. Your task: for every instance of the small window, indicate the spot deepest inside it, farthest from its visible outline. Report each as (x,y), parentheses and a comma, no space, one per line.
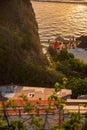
(31,95)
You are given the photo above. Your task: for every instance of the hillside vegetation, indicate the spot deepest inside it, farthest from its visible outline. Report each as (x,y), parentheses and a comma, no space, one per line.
(74,70)
(21,58)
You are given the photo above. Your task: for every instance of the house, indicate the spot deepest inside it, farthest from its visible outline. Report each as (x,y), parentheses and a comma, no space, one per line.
(33,94)
(75,105)
(38,96)
(52,116)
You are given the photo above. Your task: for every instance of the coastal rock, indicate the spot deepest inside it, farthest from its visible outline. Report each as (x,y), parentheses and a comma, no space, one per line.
(83,42)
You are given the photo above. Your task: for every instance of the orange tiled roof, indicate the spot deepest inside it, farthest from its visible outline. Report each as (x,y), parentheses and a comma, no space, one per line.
(21,103)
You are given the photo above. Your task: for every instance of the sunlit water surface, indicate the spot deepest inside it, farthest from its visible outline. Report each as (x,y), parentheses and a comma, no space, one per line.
(64,19)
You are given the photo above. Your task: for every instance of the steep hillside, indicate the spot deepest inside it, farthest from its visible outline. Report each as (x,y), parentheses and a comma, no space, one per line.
(20,48)
(17,17)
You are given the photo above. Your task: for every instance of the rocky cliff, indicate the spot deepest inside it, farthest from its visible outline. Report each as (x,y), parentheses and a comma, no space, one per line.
(20,48)
(17,19)
(83,42)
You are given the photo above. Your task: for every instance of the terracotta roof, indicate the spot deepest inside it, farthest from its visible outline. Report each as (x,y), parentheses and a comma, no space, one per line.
(20,102)
(34,93)
(42,104)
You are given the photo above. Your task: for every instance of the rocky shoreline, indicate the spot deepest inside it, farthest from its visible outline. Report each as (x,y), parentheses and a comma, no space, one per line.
(83,42)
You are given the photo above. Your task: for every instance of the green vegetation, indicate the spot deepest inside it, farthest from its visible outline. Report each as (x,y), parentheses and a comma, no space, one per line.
(73,69)
(40,121)
(34,119)
(21,59)
(22,62)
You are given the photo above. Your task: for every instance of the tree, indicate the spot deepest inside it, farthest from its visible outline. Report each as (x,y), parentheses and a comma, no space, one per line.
(78,87)
(73,122)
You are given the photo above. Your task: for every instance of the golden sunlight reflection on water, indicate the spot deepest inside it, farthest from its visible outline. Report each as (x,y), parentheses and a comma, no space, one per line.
(60,18)
(80,8)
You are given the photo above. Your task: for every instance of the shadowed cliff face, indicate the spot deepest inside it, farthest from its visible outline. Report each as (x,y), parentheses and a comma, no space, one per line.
(21,58)
(17,16)
(20,49)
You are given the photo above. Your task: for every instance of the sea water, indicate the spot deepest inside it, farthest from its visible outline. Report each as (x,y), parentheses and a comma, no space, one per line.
(65,19)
